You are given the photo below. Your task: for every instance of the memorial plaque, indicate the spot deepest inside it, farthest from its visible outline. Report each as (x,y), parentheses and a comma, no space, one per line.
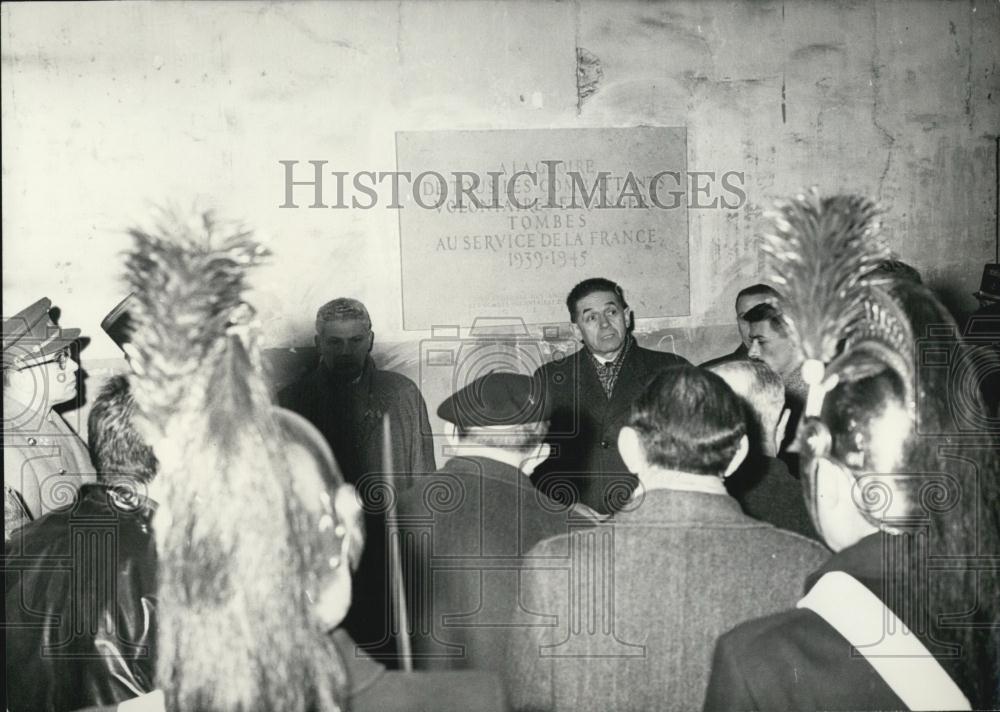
(504,223)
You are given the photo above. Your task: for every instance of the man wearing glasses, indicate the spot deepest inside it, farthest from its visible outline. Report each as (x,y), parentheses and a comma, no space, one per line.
(44,460)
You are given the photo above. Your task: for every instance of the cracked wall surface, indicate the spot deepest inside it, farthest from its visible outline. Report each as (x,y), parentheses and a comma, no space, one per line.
(895,100)
(108,106)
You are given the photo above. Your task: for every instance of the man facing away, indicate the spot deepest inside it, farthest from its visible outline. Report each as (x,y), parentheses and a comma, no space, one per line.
(589,395)
(763,485)
(97,614)
(346,396)
(110,658)
(472,522)
(747,299)
(904,614)
(637,604)
(219,586)
(85,634)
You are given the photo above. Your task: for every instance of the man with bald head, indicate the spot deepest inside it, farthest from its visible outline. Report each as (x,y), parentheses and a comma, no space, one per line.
(763,485)
(346,396)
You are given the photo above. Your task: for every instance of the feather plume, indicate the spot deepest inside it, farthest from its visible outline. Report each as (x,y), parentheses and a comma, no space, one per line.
(233,535)
(818,254)
(188,273)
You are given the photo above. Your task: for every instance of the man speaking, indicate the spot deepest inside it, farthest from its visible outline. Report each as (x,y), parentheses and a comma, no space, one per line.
(589,395)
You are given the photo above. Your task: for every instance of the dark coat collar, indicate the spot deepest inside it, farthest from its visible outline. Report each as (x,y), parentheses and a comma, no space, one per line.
(494,469)
(326,380)
(517,482)
(864,561)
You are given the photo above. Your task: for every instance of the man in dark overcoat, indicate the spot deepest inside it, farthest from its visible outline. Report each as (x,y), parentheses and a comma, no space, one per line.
(468,526)
(589,395)
(348,398)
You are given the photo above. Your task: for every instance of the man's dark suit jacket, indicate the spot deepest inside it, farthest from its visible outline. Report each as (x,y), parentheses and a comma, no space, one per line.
(585,463)
(465,532)
(372,688)
(767,491)
(795,660)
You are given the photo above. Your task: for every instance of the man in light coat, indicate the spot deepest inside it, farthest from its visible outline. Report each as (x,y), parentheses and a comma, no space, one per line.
(45,461)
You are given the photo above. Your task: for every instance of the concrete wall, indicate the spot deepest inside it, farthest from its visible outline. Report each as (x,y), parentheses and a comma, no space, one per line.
(109,107)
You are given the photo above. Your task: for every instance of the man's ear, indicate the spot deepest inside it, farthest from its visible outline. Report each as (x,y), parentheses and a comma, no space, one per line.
(371,340)
(738,457)
(838,514)
(577,334)
(779,431)
(632,451)
(827,485)
(629,319)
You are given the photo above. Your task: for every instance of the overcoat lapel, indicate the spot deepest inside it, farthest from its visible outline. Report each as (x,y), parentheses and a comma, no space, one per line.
(631,379)
(591,390)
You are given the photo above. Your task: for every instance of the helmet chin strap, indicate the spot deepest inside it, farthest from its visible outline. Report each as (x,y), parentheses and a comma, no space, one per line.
(813,371)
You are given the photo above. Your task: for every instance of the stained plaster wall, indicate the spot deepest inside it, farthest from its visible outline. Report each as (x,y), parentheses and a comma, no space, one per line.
(110,107)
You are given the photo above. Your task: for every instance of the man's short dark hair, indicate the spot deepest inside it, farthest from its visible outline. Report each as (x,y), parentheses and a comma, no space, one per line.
(769,313)
(116,447)
(588,287)
(689,420)
(758,290)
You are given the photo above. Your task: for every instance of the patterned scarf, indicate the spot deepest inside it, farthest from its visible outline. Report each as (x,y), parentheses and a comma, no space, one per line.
(608,372)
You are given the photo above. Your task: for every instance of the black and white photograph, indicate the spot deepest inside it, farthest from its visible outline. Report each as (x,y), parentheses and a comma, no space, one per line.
(501,355)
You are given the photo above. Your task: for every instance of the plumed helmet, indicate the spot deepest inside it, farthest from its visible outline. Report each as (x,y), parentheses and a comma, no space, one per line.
(245,511)
(875,406)
(894,400)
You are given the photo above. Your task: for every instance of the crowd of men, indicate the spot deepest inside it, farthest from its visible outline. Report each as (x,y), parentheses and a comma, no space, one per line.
(805,523)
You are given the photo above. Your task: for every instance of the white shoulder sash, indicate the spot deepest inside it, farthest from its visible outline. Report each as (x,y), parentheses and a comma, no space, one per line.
(154,701)
(897,655)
